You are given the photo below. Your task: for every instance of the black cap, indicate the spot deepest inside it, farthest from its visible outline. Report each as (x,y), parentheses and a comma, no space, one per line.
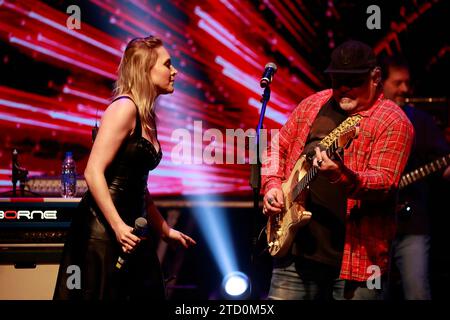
(352,57)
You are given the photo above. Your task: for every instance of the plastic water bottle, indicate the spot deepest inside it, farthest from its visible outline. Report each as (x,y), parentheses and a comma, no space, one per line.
(68,177)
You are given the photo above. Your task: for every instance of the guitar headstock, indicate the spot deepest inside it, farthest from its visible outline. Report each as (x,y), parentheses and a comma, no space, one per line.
(347,136)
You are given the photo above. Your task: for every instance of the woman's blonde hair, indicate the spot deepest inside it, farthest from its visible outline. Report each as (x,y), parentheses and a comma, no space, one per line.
(134,76)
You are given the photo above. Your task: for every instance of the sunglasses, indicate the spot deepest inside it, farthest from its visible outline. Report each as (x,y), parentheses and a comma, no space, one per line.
(348,80)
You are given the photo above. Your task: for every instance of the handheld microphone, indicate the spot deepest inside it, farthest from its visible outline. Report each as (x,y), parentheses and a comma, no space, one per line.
(268,74)
(140,228)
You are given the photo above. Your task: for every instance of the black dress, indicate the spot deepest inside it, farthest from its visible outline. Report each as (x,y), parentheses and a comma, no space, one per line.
(91,243)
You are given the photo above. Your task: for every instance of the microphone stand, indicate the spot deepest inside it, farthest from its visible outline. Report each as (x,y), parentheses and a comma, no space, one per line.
(255,181)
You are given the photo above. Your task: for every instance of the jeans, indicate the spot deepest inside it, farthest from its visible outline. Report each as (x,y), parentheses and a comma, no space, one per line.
(411,256)
(304,279)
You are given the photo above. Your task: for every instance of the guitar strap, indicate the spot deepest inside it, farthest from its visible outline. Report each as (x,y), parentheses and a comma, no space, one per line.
(331,137)
(343,126)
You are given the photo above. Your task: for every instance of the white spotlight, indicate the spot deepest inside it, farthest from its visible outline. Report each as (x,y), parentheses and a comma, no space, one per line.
(236,285)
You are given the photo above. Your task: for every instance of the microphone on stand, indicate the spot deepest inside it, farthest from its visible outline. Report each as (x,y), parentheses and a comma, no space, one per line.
(268,74)
(140,229)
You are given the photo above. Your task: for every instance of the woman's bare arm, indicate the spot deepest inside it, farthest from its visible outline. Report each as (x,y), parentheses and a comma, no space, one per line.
(116,125)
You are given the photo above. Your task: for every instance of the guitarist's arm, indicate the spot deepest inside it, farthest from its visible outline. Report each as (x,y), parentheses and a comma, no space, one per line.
(389,155)
(274,161)
(273,169)
(288,146)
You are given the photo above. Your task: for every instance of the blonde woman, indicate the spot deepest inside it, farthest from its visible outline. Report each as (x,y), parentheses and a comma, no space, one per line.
(125,150)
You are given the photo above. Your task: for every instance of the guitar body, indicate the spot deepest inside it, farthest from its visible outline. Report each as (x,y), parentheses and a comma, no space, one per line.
(281,228)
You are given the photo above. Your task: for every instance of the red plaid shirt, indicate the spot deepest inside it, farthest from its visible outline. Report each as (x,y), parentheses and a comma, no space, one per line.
(375,160)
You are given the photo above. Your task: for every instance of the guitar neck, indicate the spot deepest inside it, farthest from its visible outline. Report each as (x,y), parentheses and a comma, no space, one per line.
(311,174)
(424,171)
(339,137)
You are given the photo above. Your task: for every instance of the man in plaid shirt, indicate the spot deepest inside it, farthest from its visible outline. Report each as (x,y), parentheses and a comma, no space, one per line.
(343,252)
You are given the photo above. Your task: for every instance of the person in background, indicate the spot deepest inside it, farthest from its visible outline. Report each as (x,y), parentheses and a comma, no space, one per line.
(411,247)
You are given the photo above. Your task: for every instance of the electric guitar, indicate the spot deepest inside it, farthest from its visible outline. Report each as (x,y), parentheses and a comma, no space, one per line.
(404,208)
(281,228)
(424,171)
